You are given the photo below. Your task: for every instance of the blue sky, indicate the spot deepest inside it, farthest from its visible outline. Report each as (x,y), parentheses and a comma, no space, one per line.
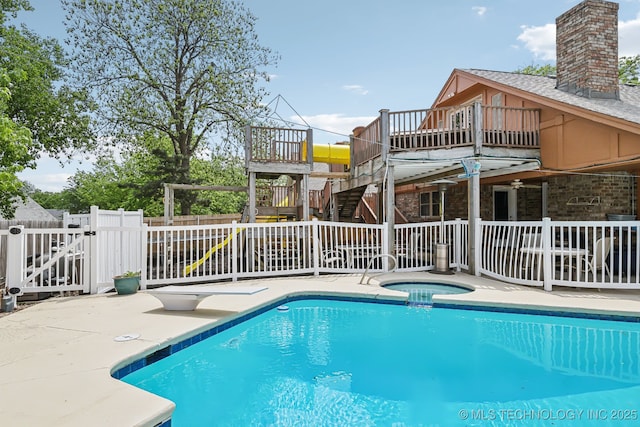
(341,61)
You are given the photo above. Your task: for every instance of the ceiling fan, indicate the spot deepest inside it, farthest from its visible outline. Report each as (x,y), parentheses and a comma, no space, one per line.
(516,184)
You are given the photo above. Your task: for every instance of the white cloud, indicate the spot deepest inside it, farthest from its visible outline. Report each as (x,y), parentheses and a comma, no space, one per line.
(479,10)
(541,41)
(53,182)
(357,89)
(629,36)
(49,175)
(328,128)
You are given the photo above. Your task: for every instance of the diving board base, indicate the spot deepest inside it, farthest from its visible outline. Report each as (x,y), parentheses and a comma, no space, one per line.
(187,298)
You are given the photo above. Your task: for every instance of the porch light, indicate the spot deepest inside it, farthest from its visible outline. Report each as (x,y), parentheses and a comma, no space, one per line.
(442,248)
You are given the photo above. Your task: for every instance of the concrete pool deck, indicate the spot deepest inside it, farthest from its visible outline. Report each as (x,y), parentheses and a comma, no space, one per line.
(57,356)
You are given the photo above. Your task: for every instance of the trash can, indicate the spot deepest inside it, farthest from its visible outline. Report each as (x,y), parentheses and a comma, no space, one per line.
(7,303)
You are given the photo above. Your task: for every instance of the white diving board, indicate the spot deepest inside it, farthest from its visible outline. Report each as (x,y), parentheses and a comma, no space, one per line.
(188,297)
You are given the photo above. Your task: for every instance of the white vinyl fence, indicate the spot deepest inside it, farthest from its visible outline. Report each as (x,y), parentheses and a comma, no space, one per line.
(93,248)
(46,259)
(549,253)
(83,256)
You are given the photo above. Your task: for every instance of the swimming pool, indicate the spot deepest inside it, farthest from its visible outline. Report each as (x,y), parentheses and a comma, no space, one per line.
(421,293)
(358,364)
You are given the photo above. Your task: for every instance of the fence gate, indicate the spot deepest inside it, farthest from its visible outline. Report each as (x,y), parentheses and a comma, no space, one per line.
(47,260)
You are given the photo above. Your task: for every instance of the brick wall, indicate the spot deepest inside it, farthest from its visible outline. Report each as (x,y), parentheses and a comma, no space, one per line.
(576,197)
(409,205)
(587,49)
(569,198)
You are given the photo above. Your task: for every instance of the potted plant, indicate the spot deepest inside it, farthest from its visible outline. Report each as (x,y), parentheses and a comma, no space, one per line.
(127,283)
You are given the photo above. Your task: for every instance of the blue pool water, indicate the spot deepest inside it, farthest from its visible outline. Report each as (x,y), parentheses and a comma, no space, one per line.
(338,363)
(421,293)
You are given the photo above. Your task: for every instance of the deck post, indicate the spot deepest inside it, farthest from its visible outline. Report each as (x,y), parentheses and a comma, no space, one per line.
(385,136)
(473,194)
(477,128)
(390,211)
(304,190)
(309,146)
(168,204)
(252,197)
(475,257)
(333,207)
(389,217)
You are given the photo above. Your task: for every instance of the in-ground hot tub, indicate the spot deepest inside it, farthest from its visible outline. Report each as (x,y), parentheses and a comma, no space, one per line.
(421,293)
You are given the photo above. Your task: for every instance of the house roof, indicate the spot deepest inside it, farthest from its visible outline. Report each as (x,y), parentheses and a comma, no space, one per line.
(31,210)
(627,108)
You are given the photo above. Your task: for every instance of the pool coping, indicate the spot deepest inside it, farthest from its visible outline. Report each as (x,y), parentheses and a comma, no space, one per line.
(61,352)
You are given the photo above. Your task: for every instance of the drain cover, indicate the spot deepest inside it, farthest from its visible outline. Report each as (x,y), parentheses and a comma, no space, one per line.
(126,337)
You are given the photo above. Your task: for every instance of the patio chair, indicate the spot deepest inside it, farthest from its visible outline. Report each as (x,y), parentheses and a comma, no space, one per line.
(333,258)
(532,240)
(598,260)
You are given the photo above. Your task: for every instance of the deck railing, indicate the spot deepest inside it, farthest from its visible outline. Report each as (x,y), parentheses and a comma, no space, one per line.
(367,144)
(281,145)
(511,127)
(276,195)
(435,128)
(447,127)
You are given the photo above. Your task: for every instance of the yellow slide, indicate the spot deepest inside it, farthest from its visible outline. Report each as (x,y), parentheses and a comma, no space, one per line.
(334,154)
(322,153)
(189,268)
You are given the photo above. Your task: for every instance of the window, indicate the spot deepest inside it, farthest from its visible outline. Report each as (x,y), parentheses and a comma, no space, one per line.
(461,118)
(430,204)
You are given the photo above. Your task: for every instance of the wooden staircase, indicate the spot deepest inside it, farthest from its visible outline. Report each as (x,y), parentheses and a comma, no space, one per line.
(347,203)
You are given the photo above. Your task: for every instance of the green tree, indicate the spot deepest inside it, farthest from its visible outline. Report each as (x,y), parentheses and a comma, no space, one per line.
(62,200)
(102,187)
(10,9)
(185,69)
(39,113)
(538,70)
(629,69)
(135,181)
(15,143)
(55,114)
(221,169)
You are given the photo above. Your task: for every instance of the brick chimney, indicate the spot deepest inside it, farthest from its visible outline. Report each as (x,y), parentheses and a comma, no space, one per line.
(587,50)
